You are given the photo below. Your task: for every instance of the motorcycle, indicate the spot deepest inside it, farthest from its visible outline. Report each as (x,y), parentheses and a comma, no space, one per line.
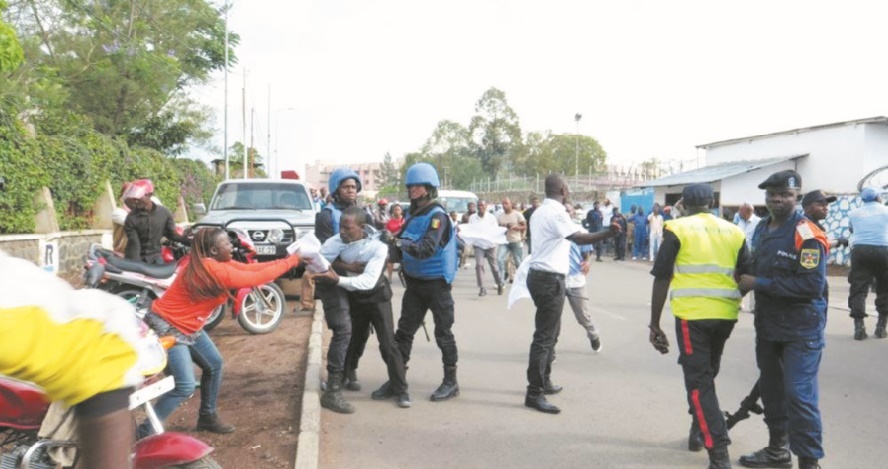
(35,434)
(259,310)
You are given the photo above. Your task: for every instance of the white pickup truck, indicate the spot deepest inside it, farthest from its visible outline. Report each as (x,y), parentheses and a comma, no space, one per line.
(273,212)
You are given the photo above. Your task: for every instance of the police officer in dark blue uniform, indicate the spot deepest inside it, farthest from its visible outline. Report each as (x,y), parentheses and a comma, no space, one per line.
(344,185)
(428,245)
(789,254)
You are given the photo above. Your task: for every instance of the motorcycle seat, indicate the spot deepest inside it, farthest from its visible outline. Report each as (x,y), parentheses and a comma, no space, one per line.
(151,270)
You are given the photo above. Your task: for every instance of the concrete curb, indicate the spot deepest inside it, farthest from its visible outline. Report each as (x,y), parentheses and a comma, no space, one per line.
(308,447)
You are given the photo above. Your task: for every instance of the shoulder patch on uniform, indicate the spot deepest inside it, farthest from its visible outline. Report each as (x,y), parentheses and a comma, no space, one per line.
(435,224)
(809,258)
(804,230)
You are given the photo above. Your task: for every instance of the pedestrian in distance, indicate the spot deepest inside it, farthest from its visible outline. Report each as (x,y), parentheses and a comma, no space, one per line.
(594,223)
(428,248)
(619,240)
(655,231)
(700,258)
(552,230)
(789,258)
(513,221)
(577,295)
(485,250)
(869,259)
(369,298)
(534,204)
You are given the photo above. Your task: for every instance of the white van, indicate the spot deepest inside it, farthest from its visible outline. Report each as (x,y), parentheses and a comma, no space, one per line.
(456,201)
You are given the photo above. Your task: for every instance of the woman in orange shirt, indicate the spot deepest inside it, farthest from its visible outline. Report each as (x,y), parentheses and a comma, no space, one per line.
(182,312)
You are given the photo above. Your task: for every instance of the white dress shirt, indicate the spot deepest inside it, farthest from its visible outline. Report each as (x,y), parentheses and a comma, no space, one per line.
(549,229)
(370,251)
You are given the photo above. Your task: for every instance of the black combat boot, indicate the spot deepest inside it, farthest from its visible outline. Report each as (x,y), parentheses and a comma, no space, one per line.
(719,458)
(449,388)
(776,454)
(859,329)
(808,463)
(551,388)
(332,398)
(538,401)
(880,327)
(350,381)
(695,438)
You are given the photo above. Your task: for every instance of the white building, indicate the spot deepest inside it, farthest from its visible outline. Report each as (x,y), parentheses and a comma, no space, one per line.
(831,157)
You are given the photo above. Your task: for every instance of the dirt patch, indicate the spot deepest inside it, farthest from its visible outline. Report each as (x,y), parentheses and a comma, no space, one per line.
(261,394)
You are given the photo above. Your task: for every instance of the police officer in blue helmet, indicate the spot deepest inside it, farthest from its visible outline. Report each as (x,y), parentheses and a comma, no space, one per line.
(789,254)
(428,245)
(344,185)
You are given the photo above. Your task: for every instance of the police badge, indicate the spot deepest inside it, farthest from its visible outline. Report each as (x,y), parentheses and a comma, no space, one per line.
(809,258)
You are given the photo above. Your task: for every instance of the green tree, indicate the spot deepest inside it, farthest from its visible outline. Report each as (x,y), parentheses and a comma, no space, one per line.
(449,149)
(124,64)
(236,159)
(542,153)
(495,131)
(11,55)
(390,174)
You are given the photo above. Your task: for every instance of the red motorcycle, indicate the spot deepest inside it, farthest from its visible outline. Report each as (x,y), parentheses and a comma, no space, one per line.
(259,310)
(25,445)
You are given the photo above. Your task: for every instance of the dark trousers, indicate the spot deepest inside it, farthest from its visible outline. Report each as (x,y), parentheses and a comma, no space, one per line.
(620,246)
(419,297)
(336,313)
(868,262)
(790,393)
(548,291)
(700,346)
(379,314)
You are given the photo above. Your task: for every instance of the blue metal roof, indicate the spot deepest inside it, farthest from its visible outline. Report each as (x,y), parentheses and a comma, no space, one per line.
(716,172)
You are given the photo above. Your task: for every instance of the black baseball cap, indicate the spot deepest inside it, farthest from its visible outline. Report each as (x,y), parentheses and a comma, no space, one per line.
(696,195)
(817,196)
(787,179)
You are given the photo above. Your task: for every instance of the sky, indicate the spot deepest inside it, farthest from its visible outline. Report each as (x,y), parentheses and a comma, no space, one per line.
(351,80)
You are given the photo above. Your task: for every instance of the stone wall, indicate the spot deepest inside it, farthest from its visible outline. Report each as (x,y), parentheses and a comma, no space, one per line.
(62,253)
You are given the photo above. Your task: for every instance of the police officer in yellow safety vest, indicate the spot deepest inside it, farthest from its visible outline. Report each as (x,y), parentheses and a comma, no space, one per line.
(700,259)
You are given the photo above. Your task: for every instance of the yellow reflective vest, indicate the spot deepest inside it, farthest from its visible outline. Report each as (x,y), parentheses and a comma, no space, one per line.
(703,285)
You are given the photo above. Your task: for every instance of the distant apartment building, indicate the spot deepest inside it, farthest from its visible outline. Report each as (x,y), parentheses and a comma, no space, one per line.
(371,174)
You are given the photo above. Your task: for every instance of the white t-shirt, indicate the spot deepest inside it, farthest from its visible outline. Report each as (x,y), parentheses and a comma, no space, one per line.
(748,227)
(655,222)
(549,231)
(607,212)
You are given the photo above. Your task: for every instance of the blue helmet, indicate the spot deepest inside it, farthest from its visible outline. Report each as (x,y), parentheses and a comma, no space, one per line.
(341,174)
(422,173)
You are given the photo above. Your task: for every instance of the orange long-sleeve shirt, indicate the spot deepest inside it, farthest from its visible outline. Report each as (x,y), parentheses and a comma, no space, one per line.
(178,307)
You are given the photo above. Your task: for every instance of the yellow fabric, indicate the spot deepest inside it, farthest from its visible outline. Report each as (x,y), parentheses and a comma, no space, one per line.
(71,361)
(703,285)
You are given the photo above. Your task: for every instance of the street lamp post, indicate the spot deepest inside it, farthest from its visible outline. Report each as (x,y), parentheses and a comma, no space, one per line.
(277,137)
(577,118)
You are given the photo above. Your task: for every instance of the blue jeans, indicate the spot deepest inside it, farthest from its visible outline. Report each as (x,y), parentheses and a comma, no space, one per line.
(179,364)
(790,393)
(502,253)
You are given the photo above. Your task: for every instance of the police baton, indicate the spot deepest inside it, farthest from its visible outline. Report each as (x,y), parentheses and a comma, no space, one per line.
(424,329)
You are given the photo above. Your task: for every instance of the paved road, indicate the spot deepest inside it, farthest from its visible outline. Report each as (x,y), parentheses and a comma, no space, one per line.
(623,407)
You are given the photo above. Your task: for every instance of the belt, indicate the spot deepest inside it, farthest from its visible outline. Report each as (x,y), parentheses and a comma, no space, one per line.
(546,273)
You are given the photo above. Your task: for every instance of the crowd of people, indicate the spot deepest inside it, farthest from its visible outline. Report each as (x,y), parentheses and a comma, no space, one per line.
(703,264)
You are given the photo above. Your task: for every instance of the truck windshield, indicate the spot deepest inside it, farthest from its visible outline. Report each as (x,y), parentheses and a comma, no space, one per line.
(256,196)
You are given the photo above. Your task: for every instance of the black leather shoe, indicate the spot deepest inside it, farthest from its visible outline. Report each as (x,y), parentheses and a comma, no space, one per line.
(551,388)
(768,457)
(213,424)
(541,404)
(808,463)
(499,289)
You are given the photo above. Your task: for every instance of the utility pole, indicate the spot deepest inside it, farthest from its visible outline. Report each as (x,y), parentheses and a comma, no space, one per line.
(268,148)
(244,122)
(225,126)
(252,148)
(577,118)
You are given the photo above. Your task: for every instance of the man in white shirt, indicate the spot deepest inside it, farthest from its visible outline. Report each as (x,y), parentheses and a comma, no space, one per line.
(485,250)
(552,232)
(747,220)
(369,297)
(655,230)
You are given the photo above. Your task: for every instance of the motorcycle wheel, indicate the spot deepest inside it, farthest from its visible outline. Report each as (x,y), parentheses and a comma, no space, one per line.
(205,462)
(255,317)
(215,318)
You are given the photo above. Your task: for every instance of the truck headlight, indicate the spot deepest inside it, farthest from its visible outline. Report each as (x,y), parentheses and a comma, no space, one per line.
(275,235)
